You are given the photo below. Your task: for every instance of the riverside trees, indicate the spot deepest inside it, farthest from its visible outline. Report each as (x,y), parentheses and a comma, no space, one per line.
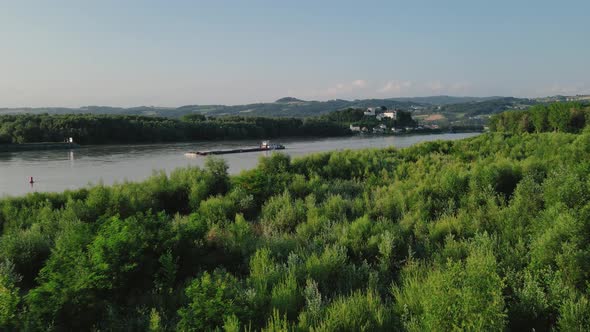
(117,129)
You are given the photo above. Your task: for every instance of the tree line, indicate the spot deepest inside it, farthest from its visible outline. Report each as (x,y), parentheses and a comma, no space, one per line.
(570,117)
(116,129)
(484,234)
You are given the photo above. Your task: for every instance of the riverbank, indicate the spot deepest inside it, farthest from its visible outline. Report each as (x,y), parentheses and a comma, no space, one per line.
(38,146)
(67,146)
(424,131)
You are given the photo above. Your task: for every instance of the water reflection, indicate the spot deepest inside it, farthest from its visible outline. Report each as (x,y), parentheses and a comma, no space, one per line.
(5,156)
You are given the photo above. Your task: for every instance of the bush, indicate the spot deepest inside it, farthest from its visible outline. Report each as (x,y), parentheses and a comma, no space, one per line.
(211,298)
(357,312)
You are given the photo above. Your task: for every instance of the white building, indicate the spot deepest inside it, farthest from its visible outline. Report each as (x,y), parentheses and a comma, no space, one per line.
(370,111)
(355,128)
(379,129)
(391,115)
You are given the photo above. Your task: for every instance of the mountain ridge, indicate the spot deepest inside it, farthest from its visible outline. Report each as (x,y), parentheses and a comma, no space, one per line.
(282,107)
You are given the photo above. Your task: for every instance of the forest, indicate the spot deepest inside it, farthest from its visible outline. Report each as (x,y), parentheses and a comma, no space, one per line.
(118,129)
(568,117)
(484,234)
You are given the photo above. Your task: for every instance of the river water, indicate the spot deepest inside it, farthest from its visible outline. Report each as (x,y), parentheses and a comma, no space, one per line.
(58,170)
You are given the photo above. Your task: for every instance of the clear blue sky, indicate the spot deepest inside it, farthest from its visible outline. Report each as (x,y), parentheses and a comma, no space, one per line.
(172,53)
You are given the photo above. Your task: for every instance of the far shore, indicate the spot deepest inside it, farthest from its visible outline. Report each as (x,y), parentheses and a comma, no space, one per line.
(40,146)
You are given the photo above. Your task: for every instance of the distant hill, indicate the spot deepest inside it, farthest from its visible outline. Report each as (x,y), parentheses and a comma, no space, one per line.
(487,107)
(293,107)
(289,100)
(445,100)
(284,107)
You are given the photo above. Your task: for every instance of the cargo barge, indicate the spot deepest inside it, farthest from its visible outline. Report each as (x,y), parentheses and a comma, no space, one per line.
(264,146)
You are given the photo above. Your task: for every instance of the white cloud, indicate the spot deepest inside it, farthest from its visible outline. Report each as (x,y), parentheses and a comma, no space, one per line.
(392,88)
(396,87)
(344,88)
(435,87)
(459,88)
(359,83)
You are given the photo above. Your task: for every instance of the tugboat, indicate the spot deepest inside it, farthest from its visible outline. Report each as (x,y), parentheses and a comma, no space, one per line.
(267,145)
(264,146)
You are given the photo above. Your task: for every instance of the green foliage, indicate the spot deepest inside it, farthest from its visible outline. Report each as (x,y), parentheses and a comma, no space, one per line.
(211,298)
(357,312)
(27,249)
(488,233)
(277,323)
(282,214)
(118,129)
(9,296)
(286,297)
(217,169)
(155,322)
(562,117)
(574,315)
(456,296)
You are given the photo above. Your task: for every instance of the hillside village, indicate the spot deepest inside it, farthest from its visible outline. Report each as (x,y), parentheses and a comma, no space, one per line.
(380,120)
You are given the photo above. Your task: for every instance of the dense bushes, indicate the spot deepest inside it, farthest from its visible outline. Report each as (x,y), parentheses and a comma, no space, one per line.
(488,233)
(568,117)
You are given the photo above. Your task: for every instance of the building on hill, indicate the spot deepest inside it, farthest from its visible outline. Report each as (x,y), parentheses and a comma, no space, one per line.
(578,98)
(370,111)
(355,128)
(380,129)
(392,115)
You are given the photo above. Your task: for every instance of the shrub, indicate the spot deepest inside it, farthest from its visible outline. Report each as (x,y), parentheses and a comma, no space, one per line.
(212,297)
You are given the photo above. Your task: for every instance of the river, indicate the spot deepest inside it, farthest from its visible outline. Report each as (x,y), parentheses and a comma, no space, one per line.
(58,170)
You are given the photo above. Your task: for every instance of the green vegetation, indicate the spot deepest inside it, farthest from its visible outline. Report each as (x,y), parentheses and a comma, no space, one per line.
(484,234)
(117,129)
(567,117)
(487,107)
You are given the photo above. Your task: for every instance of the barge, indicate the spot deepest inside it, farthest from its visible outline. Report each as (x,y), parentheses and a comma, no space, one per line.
(264,146)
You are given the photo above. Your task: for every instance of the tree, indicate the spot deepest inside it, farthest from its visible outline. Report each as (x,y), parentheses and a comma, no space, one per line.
(539,118)
(212,297)
(457,296)
(9,296)
(559,116)
(217,169)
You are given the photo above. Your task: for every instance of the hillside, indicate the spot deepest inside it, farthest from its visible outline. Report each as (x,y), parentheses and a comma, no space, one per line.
(445,100)
(293,107)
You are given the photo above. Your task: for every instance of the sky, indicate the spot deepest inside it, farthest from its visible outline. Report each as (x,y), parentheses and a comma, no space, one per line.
(170,53)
